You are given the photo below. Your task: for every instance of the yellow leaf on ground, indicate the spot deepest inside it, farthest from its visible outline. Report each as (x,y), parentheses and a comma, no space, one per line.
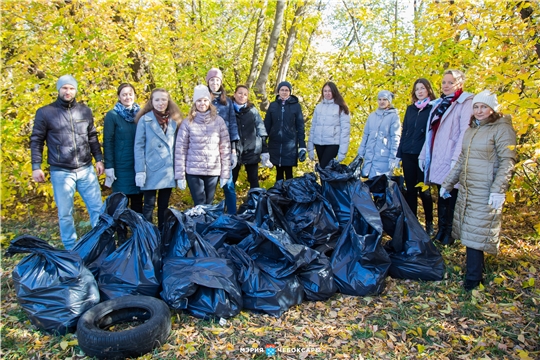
(64,345)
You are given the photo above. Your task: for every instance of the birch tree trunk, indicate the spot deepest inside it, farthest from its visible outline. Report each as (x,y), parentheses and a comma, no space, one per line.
(289,46)
(256,47)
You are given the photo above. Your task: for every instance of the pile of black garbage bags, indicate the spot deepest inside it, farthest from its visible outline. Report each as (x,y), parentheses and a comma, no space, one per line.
(296,241)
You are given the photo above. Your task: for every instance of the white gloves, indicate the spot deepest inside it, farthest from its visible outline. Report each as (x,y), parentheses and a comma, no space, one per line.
(393,163)
(452,164)
(444,193)
(422,164)
(140,179)
(340,158)
(195,211)
(311,155)
(234,160)
(265,157)
(222,182)
(181,184)
(109,177)
(496,200)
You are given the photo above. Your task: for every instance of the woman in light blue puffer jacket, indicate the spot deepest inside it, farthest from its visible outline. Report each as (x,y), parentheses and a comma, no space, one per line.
(380,140)
(330,127)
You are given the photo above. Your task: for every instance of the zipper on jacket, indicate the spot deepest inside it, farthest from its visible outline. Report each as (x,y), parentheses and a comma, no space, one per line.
(74,136)
(281,131)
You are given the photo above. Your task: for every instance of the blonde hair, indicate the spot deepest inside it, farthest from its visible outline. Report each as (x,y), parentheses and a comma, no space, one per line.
(193,112)
(457,74)
(172,108)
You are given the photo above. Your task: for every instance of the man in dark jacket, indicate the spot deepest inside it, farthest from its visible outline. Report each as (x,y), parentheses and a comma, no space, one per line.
(68,128)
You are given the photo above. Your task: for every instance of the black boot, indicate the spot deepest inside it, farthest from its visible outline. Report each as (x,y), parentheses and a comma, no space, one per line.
(429,228)
(469,285)
(447,238)
(441,214)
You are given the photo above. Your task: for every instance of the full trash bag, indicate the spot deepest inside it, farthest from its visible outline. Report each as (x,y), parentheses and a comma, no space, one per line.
(177,231)
(338,182)
(52,286)
(99,242)
(246,211)
(134,268)
(359,261)
(262,292)
(202,283)
(226,229)
(413,254)
(317,279)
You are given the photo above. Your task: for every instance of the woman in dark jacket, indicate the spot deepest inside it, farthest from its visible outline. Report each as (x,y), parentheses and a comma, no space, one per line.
(118,141)
(252,136)
(284,124)
(214,80)
(413,136)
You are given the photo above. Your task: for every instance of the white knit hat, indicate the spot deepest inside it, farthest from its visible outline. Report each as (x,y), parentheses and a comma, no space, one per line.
(201,91)
(488,98)
(385,94)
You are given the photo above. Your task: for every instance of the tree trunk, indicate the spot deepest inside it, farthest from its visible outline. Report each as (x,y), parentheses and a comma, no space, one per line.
(256,47)
(260,84)
(289,46)
(526,15)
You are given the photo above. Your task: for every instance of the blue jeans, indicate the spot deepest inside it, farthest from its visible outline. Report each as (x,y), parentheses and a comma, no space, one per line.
(65,183)
(230,196)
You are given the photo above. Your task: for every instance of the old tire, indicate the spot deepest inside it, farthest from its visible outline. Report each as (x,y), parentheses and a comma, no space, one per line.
(96,340)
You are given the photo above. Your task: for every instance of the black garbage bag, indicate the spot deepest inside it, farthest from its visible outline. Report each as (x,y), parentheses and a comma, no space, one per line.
(338,182)
(413,254)
(134,268)
(177,231)
(98,243)
(226,229)
(262,292)
(269,215)
(303,189)
(205,214)
(202,283)
(246,211)
(317,279)
(359,261)
(52,286)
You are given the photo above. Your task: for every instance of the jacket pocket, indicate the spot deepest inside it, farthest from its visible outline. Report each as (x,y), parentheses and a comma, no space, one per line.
(154,161)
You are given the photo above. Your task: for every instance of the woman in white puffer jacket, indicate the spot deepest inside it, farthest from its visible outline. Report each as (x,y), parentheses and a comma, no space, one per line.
(330,127)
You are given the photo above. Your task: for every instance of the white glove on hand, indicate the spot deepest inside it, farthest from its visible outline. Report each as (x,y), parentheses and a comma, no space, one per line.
(140,179)
(222,182)
(181,184)
(444,193)
(340,158)
(109,177)
(311,155)
(234,160)
(452,164)
(266,160)
(496,200)
(422,164)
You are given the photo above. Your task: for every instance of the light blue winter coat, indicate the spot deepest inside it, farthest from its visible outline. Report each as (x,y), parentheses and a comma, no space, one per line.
(154,152)
(380,142)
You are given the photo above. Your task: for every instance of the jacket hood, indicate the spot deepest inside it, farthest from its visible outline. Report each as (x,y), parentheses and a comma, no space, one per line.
(386,111)
(324,101)
(291,100)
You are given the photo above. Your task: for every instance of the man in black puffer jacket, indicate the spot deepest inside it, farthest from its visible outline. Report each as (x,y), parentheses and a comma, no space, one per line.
(68,128)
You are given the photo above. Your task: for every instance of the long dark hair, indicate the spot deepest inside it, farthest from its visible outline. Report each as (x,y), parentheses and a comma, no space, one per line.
(338,99)
(427,85)
(123,86)
(172,108)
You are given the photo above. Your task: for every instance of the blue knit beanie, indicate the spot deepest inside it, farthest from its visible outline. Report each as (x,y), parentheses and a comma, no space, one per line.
(66,79)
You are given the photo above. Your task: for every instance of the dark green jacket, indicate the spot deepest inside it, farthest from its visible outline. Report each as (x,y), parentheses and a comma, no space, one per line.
(118,145)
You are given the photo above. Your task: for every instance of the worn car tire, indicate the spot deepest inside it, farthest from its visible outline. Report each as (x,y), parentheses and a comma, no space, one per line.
(95,340)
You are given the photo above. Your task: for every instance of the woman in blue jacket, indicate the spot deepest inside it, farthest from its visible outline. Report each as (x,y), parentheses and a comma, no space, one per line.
(214,80)
(154,151)
(284,124)
(413,137)
(118,142)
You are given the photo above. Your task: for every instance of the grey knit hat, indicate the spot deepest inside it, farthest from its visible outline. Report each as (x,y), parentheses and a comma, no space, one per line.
(66,79)
(200,92)
(385,94)
(488,98)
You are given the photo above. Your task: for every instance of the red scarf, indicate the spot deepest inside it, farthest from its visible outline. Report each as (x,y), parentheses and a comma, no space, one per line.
(162,119)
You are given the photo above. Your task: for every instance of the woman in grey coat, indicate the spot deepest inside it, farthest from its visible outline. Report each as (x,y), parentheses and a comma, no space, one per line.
(380,140)
(154,151)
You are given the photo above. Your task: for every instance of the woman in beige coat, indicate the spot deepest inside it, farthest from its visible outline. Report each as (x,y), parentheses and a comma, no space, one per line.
(484,170)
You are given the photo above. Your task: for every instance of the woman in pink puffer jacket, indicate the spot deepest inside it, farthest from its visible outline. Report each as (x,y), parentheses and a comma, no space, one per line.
(202,150)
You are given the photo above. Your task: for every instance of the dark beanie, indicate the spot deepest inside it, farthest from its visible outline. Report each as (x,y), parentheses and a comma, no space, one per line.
(285,83)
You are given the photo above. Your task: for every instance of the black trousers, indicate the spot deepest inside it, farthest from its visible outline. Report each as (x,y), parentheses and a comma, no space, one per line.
(413,175)
(475,264)
(252,171)
(325,153)
(163,196)
(202,188)
(136,202)
(445,210)
(284,172)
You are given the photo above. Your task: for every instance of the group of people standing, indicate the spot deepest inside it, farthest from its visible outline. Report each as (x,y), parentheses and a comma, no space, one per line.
(456,141)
